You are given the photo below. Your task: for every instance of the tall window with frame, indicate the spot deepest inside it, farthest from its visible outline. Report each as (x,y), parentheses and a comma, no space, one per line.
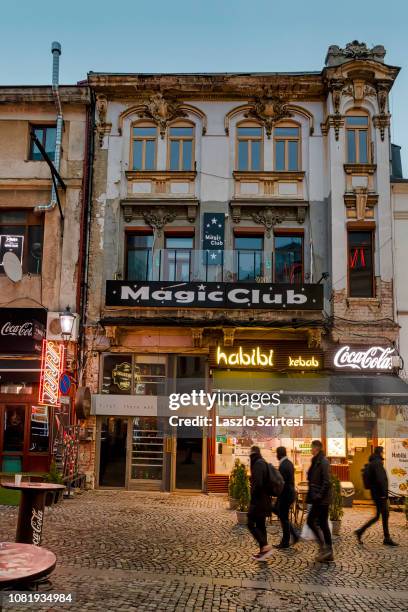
(177,258)
(144,146)
(46,134)
(357,138)
(249,146)
(139,256)
(289,258)
(21,232)
(286,138)
(361,263)
(181,146)
(249,257)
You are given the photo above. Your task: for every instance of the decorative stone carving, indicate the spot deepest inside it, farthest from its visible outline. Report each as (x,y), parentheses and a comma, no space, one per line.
(381,122)
(352,51)
(102,127)
(382,97)
(269,217)
(128,213)
(191,213)
(336,87)
(301,214)
(162,110)
(314,338)
(229,333)
(157,218)
(236,213)
(361,202)
(269,109)
(197,336)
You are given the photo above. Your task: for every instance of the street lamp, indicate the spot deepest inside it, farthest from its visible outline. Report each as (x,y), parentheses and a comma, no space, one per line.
(67,319)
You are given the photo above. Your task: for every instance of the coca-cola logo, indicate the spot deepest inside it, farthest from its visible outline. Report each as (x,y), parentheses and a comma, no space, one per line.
(373,358)
(36,525)
(12,329)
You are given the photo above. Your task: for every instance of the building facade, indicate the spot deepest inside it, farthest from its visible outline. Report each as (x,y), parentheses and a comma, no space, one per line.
(41,251)
(240,239)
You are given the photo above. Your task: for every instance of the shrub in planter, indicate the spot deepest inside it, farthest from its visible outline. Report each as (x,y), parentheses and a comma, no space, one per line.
(241,493)
(56,477)
(336,505)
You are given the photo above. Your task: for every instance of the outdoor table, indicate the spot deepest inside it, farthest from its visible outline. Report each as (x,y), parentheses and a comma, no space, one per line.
(31,511)
(24,564)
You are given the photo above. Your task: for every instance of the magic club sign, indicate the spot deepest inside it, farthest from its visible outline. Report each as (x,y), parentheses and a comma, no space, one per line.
(157,294)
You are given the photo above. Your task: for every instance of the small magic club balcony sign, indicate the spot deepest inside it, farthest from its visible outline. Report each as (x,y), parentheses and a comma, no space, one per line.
(166,294)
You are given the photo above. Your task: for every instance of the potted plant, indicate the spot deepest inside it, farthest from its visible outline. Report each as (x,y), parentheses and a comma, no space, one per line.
(242,493)
(233,503)
(56,477)
(336,505)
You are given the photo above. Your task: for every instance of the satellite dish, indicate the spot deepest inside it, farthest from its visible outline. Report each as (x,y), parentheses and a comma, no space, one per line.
(12,267)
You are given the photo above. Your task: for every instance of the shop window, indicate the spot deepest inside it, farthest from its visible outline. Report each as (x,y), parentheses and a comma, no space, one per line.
(249,146)
(181,146)
(117,374)
(248,255)
(139,249)
(46,134)
(138,375)
(144,146)
(149,375)
(14,421)
(147,449)
(289,259)
(177,258)
(287,147)
(21,232)
(39,429)
(357,138)
(360,264)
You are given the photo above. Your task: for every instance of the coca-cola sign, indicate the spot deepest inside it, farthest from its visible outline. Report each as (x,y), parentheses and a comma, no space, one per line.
(22,330)
(364,358)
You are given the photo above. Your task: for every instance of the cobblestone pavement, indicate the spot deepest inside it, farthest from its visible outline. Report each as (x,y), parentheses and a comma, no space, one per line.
(129,551)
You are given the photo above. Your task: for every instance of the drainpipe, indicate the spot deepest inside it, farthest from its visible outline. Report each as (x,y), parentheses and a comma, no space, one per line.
(56,52)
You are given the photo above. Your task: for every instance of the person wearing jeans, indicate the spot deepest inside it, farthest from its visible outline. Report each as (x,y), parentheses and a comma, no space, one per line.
(378,480)
(318,496)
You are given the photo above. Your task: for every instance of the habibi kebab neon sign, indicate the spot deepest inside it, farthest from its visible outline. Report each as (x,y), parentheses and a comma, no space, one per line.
(259,357)
(52,365)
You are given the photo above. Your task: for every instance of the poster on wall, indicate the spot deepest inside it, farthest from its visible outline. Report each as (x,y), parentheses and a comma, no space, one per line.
(336,431)
(396,459)
(11,244)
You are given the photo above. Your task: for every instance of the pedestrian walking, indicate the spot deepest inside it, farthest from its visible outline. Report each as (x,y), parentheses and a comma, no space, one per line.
(318,496)
(376,480)
(286,498)
(260,505)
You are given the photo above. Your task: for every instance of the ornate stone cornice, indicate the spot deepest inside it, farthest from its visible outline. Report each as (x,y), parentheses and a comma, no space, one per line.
(162,110)
(269,109)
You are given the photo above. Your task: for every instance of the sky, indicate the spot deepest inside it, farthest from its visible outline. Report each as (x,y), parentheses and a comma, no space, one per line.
(199,36)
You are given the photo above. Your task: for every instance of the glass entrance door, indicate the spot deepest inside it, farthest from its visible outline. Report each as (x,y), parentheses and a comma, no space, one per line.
(112,470)
(189,463)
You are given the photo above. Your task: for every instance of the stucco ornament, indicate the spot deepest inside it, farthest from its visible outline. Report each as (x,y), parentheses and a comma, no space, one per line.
(269,109)
(354,50)
(162,110)
(158,218)
(268,217)
(102,127)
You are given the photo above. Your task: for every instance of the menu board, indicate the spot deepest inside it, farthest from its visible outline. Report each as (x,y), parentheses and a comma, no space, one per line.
(396,458)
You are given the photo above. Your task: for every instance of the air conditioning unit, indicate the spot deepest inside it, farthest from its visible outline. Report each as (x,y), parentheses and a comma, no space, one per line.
(54,327)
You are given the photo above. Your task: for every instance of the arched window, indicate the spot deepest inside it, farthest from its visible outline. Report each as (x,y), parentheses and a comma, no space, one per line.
(249,146)
(144,145)
(286,138)
(181,146)
(357,137)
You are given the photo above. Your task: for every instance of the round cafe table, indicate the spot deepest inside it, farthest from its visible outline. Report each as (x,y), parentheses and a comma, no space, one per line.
(31,511)
(24,564)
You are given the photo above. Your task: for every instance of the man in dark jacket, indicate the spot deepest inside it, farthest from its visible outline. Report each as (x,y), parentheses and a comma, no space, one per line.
(319,495)
(260,505)
(286,498)
(378,480)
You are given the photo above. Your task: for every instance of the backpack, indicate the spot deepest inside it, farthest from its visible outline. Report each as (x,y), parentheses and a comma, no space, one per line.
(274,482)
(366,476)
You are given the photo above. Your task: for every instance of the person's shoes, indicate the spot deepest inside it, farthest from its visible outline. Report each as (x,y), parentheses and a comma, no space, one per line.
(390,542)
(281,545)
(358,535)
(264,555)
(295,537)
(326,555)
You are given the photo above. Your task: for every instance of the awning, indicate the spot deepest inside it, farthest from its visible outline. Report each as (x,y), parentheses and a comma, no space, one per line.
(19,370)
(312,388)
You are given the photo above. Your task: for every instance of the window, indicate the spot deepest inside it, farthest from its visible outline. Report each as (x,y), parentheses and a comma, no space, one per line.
(14,424)
(133,375)
(250,140)
(46,134)
(287,147)
(357,139)
(21,232)
(181,147)
(144,140)
(177,262)
(360,264)
(289,259)
(248,253)
(139,256)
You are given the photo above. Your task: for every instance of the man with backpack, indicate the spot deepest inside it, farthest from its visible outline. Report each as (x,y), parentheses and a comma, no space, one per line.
(319,496)
(375,478)
(286,498)
(264,484)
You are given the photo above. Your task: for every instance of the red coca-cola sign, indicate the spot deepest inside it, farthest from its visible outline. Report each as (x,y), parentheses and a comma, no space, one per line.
(22,330)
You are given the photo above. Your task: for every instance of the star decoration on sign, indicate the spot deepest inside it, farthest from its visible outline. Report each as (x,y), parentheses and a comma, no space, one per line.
(201,287)
(214,221)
